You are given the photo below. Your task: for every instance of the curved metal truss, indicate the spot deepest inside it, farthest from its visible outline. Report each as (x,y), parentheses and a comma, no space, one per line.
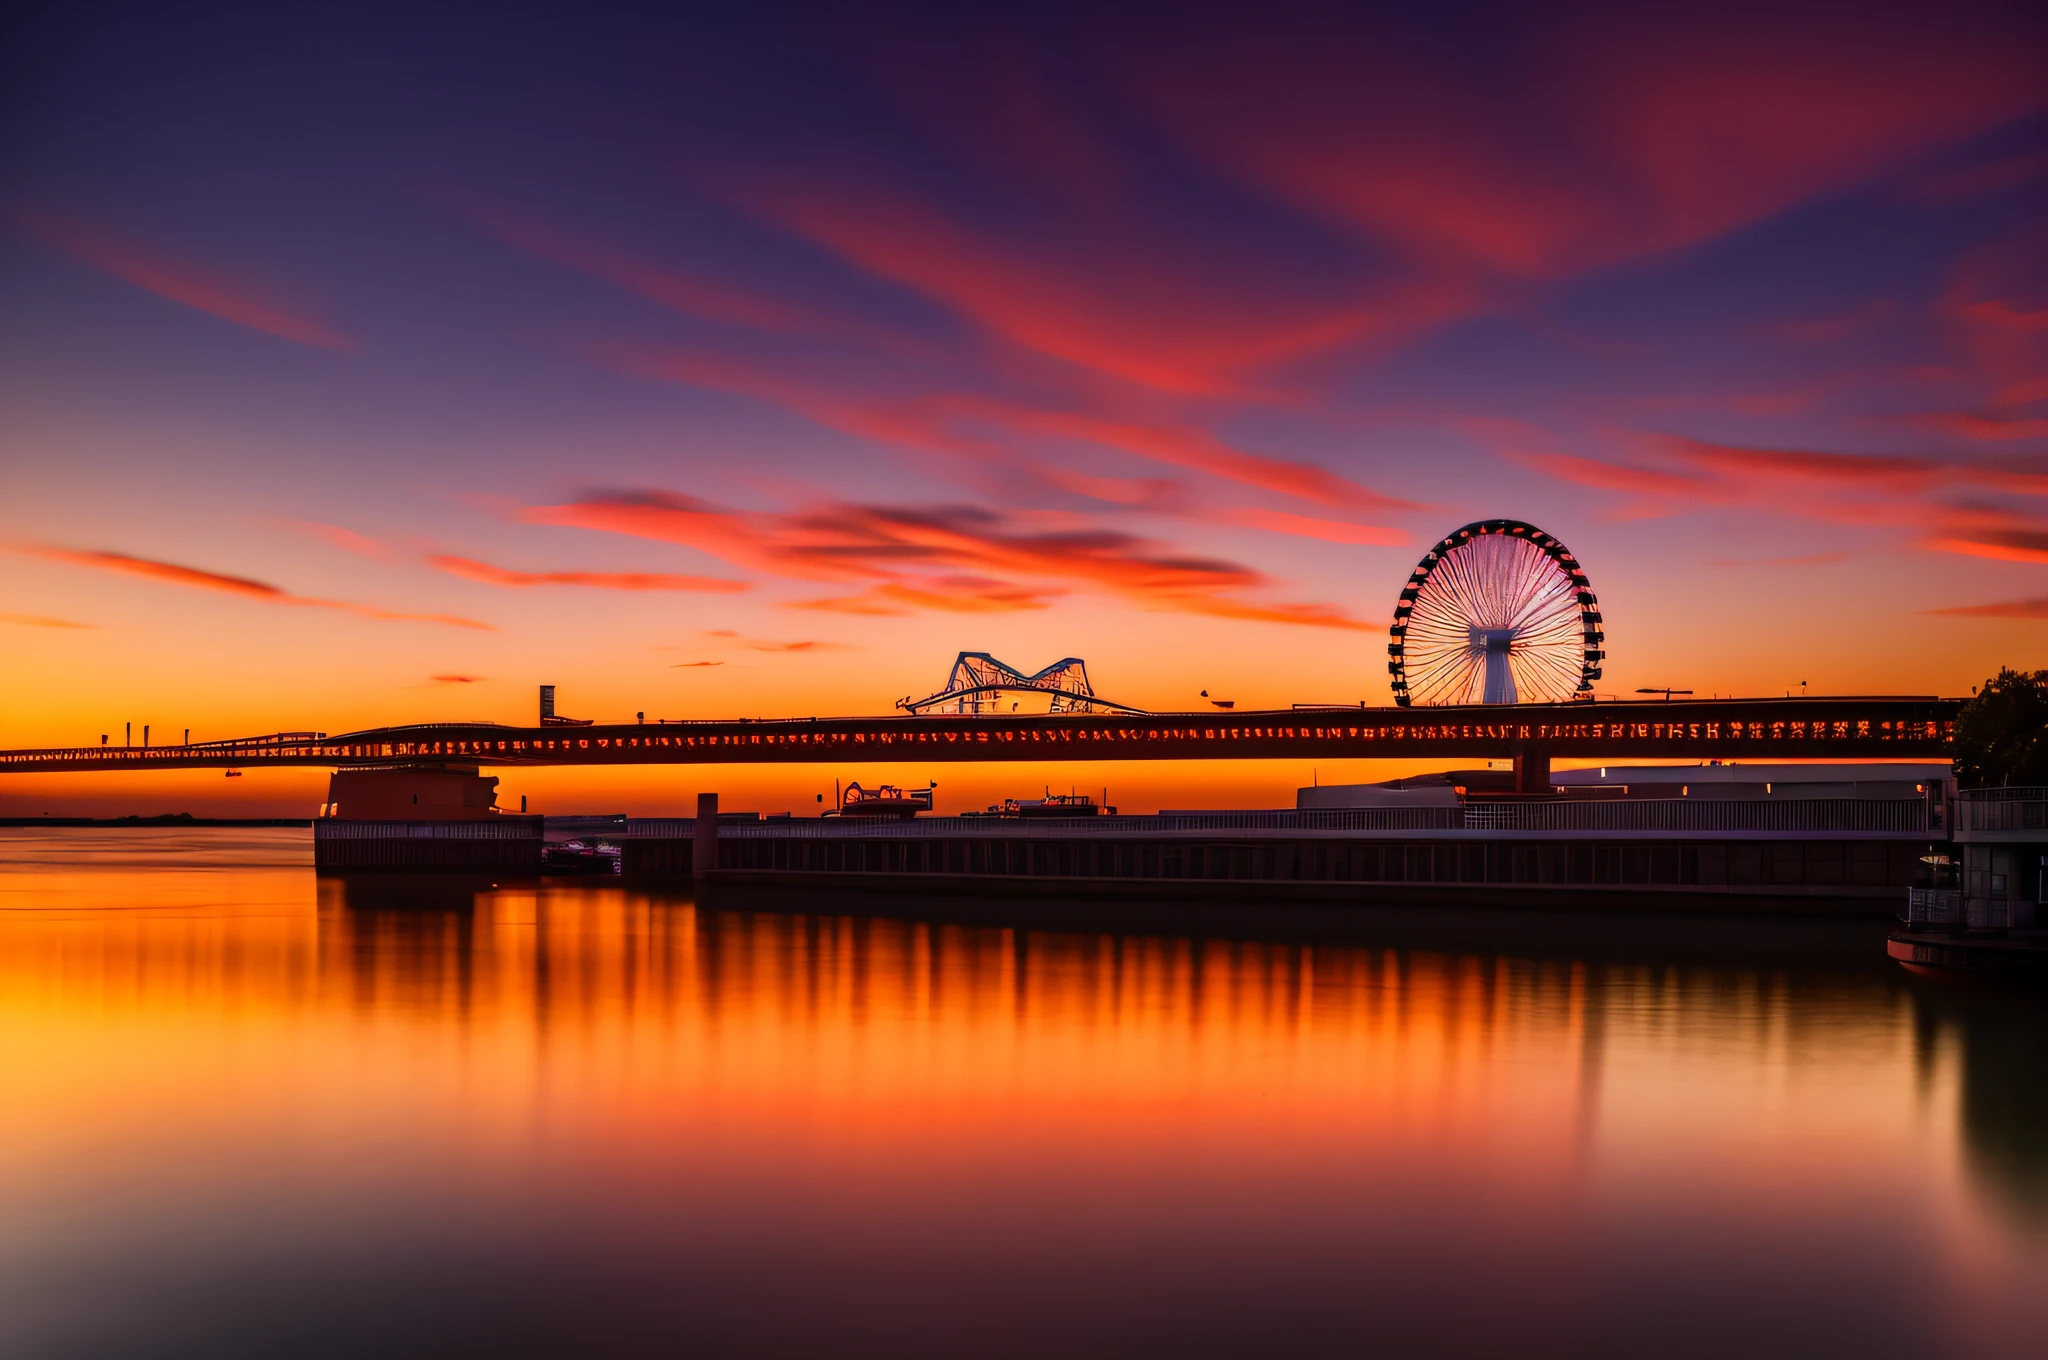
(1498,612)
(978,682)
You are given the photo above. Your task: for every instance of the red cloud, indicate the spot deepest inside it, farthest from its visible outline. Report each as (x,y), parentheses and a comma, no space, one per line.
(348,540)
(948,595)
(1802,560)
(1618,476)
(1115,309)
(2009,545)
(244,586)
(1305,526)
(1902,474)
(1839,488)
(1184,448)
(1991,428)
(1996,307)
(678,290)
(38,621)
(2016,609)
(1823,329)
(473,570)
(766,645)
(457,679)
(1149,493)
(928,550)
(955,425)
(182,283)
(1622,135)
(161,571)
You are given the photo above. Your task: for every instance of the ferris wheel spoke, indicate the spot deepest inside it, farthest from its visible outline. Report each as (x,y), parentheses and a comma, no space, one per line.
(1494,577)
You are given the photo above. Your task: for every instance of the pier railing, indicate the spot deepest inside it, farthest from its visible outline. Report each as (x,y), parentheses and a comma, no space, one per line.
(1951,908)
(2020,809)
(503,828)
(1666,816)
(1934,907)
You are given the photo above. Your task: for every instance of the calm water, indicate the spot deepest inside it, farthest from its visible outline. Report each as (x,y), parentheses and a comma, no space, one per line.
(240,1112)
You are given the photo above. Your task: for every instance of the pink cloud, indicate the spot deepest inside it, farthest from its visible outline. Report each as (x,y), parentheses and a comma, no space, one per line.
(1115,310)
(181,282)
(928,551)
(39,621)
(247,587)
(1625,135)
(348,540)
(985,427)
(1307,526)
(472,570)
(2015,609)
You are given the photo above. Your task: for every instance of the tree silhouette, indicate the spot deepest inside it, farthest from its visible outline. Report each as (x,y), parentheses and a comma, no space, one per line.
(2002,733)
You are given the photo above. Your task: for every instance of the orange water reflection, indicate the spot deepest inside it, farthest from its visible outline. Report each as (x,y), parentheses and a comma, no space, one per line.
(612,1119)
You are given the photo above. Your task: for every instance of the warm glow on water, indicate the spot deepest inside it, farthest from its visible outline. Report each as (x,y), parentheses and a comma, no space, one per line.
(240,1111)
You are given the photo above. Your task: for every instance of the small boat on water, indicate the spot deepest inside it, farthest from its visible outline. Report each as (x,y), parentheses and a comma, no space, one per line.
(1959,956)
(884,800)
(1051,805)
(580,857)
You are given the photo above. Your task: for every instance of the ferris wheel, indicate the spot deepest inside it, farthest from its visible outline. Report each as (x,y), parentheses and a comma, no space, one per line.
(1498,613)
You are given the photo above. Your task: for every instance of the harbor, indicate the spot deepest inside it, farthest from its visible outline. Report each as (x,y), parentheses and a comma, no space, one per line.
(1800,839)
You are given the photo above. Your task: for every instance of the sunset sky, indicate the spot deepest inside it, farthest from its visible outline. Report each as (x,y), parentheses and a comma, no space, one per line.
(357,371)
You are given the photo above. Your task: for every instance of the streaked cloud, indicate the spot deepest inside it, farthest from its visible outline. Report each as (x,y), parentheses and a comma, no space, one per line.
(945,595)
(1308,526)
(39,621)
(929,551)
(472,570)
(2015,609)
(1817,330)
(1116,309)
(180,281)
(2002,545)
(754,644)
(1607,155)
(246,587)
(348,540)
(1821,559)
(983,427)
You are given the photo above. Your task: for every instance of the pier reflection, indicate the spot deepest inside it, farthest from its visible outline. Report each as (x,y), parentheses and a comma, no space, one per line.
(591,1116)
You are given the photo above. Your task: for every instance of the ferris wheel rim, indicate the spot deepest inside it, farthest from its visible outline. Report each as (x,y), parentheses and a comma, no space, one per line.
(1588,632)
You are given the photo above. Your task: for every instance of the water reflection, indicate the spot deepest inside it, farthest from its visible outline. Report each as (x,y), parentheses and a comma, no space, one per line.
(281,1113)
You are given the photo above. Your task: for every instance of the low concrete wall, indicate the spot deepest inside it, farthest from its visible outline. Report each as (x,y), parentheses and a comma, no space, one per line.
(508,845)
(1860,876)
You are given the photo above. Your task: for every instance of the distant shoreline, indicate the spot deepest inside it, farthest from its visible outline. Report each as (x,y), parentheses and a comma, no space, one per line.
(160,820)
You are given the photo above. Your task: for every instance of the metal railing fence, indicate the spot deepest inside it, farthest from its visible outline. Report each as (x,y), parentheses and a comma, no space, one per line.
(2019,809)
(1682,816)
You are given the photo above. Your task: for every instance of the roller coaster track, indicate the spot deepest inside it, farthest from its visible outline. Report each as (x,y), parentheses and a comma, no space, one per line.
(978,681)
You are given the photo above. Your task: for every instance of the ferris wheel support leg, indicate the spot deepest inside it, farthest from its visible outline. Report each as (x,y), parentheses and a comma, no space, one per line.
(1532,767)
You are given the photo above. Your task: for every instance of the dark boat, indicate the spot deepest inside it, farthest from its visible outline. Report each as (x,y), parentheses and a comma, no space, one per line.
(1961,955)
(884,800)
(1052,805)
(580,857)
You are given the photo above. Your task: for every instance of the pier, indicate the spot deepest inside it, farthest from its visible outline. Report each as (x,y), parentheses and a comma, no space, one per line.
(1835,728)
